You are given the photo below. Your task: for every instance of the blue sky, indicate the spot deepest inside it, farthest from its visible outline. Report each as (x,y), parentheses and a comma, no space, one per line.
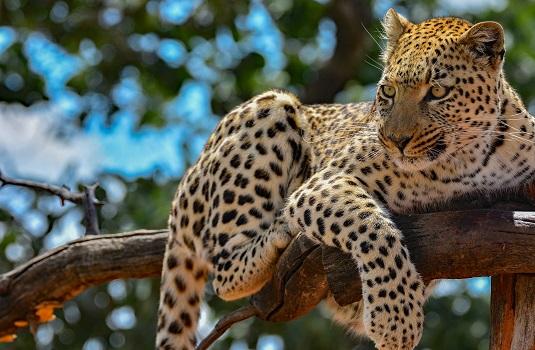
(124,148)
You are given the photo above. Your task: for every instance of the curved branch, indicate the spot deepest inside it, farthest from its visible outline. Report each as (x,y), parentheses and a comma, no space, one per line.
(454,244)
(225,323)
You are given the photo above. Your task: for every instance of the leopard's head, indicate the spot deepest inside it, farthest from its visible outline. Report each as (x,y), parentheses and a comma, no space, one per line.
(438,94)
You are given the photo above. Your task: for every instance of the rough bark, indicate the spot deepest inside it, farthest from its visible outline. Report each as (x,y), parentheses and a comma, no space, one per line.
(513,312)
(502,316)
(524,333)
(443,245)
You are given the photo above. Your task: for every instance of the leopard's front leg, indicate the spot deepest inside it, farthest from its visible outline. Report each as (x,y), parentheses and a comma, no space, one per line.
(335,209)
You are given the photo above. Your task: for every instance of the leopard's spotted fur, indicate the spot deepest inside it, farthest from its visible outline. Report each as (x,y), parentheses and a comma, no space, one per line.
(444,123)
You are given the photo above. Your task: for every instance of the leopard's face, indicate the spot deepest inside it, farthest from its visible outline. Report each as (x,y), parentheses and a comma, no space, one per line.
(438,94)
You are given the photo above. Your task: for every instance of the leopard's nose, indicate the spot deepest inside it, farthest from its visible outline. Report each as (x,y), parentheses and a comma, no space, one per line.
(400,141)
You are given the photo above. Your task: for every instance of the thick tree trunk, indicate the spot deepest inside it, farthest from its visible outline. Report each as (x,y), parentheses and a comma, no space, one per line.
(513,312)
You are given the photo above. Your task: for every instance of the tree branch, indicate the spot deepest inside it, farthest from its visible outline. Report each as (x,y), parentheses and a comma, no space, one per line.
(87,198)
(225,323)
(63,192)
(90,211)
(454,244)
(35,288)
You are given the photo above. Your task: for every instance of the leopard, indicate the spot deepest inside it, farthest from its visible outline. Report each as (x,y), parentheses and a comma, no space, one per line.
(445,123)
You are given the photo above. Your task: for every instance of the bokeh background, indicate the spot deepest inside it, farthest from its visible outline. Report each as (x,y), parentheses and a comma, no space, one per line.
(125,92)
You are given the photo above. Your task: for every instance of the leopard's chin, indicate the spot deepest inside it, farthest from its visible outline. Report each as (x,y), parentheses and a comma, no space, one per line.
(412,164)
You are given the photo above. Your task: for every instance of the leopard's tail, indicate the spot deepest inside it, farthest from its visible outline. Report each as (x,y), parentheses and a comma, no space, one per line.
(183,280)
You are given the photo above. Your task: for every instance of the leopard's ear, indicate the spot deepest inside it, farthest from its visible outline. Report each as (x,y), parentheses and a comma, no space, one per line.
(394,25)
(485,42)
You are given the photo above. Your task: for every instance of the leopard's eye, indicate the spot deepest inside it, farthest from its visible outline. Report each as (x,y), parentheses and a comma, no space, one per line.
(437,92)
(388,90)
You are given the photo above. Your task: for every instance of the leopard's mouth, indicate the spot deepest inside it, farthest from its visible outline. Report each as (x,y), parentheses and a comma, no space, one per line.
(428,157)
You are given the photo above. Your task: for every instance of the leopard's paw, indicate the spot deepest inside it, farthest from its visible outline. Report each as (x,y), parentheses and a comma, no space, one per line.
(393,315)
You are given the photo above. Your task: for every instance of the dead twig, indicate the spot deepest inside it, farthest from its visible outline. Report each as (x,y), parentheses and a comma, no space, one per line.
(63,192)
(225,323)
(87,198)
(90,217)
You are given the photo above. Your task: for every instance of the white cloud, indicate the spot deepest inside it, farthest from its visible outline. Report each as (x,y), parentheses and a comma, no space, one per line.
(37,143)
